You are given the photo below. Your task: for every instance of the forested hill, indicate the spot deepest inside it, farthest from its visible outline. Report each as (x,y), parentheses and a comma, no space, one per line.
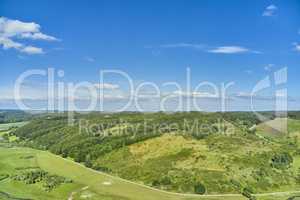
(11,116)
(95,134)
(189,152)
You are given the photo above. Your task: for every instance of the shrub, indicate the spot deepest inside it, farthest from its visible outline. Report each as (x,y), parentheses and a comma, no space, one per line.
(199,188)
(281,160)
(3,176)
(247,192)
(49,182)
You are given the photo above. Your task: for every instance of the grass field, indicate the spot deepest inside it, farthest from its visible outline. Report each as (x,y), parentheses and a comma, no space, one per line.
(6,128)
(87,184)
(10,125)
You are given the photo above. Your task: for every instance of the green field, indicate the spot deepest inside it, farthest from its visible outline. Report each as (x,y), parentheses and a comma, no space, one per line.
(7,126)
(88,184)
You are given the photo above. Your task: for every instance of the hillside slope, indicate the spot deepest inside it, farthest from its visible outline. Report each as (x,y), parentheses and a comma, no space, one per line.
(223,156)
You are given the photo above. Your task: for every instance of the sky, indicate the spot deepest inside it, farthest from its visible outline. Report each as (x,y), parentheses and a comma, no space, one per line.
(219,42)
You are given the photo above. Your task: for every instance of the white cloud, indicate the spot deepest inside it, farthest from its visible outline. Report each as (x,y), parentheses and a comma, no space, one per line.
(37,90)
(249,95)
(182,45)
(32,50)
(270,97)
(270,11)
(38,36)
(268,67)
(296,46)
(8,43)
(203,47)
(272,7)
(11,29)
(194,94)
(230,50)
(26,92)
(107,86)
(244,94)
(89,59)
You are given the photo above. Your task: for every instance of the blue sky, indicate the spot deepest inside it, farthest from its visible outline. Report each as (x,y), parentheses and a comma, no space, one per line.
(220,41)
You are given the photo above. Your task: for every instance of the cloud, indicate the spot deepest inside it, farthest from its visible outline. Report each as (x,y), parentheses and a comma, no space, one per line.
(27,91)
(38,90)
(89,59)
(8,43)
(15,29)
(268,67)
(296,46)
(195,94)
(249,96)
(248,71)
(246,95)
(107,86)
(32,50)
(38,36)
(270,11)
(203,47)
(231,50)
(182,45)
(243,94)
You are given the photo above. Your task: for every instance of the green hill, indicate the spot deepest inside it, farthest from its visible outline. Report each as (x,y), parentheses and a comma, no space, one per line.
(190,153)
(87,184)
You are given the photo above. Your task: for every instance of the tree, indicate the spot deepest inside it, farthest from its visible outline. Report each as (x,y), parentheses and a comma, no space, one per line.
(88,161)
(281,160)
(247,192)
(199,188)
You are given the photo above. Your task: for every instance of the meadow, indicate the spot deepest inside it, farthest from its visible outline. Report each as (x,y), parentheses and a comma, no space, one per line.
(88,184)
(7,126)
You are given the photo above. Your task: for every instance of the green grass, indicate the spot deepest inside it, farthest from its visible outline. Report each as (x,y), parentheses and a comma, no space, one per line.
(3,132)
(11,161)
(5,129)
(213,161)
(87,184)
(7,126)
(98,187)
